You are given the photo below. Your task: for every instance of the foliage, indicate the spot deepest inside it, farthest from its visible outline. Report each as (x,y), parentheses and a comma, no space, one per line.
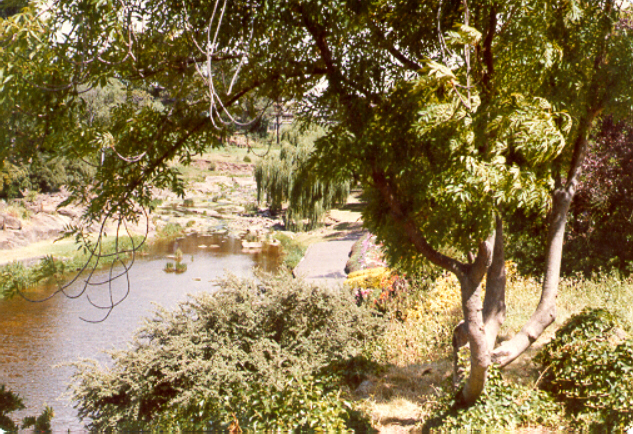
(383,289)
(11,7)
(502,406)
(232,354)
(170,230)
(289,178)
(600,219)
(44,173)
(10,402)
(41,423)
(589,367)
(365,253)
(292,250)
(16,277)
(442,132)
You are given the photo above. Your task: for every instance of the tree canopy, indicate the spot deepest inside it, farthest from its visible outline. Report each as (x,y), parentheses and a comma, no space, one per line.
(452,114)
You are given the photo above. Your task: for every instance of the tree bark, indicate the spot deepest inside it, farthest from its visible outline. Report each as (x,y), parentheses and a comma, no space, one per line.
(484,324)
(495,299)
(480,351)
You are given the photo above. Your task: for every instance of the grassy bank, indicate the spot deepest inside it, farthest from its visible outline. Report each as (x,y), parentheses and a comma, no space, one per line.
(67,260)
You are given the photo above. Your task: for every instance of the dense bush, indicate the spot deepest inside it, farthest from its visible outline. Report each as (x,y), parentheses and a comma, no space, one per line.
(589,366)
(44,174)
(263,353)
(503,406)
(600,228)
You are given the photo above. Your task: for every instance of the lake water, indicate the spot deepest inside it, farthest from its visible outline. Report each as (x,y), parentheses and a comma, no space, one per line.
(35,337)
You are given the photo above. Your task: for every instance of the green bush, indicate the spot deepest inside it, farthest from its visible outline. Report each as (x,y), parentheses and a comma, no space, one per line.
(265,353)
(170,230)
(44,173)
(503,406)
(589,366)
(292,250)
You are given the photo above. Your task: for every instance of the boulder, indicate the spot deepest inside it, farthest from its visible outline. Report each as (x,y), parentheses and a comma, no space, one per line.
(69,212)
(11,223)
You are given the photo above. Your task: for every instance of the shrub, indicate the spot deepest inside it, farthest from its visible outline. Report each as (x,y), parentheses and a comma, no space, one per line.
(44,173)
(234,356)
(180,267)
(10,402)
(170,230)
(293,250)
(502,406)
(247,159)
(589,366)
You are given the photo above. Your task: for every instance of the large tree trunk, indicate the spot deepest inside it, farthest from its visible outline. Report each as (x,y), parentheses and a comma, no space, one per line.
(481,324)
(477,342)
(545,312)
(495,299)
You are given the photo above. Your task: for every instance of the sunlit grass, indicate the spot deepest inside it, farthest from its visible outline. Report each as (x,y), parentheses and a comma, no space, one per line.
(417,354)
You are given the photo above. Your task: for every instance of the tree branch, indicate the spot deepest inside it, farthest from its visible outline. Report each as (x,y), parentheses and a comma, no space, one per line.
(408,63)
(412,231)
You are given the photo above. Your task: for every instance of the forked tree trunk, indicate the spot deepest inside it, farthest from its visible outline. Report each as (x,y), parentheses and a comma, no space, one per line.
(481,322)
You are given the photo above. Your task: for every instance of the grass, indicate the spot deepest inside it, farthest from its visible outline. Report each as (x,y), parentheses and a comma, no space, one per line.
(16,276)
(293,249)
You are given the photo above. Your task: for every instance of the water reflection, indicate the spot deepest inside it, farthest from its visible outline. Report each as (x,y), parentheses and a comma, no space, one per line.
(34,337)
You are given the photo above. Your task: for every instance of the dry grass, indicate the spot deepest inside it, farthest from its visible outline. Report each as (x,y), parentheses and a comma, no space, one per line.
(418,350)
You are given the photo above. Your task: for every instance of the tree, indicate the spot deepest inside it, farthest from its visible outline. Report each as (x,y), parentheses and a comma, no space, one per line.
(475,111)
(288,177)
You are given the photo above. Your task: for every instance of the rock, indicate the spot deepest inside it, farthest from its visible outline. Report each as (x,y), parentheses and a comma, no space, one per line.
(252,245)
(49,208)
(11,223)
(69,212)
(231,209)
(244,181)
(365,388)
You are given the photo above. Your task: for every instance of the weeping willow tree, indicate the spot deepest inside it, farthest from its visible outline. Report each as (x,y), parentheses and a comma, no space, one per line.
(290,178)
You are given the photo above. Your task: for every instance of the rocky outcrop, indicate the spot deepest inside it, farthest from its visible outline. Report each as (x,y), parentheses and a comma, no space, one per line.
(10,222)
(41,220)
